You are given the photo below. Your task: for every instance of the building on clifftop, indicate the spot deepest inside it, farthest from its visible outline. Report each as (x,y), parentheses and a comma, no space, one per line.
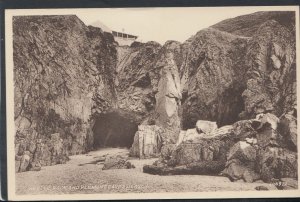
(122,38)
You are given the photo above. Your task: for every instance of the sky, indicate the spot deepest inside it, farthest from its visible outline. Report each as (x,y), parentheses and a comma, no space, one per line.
(162,24)
(157,24)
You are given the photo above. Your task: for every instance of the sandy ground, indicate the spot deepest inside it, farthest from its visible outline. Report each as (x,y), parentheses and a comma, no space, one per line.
(83,175)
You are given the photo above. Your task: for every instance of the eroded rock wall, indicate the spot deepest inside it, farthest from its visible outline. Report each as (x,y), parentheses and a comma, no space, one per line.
(271,75)
(212,77)
(137,79)
(63,73)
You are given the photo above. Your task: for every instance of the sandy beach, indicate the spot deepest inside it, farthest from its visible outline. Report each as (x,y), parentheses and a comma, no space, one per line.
(82,174)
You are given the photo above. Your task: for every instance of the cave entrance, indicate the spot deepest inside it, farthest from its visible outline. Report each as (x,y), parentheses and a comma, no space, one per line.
(114,130)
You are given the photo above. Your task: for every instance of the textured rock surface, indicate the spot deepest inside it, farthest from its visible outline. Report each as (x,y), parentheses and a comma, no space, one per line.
(277,163)
(200,168)
(206,127)
(137,78)
(249,150)
(264,154)
(247,25)
(212,77)
(168,97)
(241,162)
(117,162)
(24,162)
(275,82)
(147,142)
(63,72)
(288,129)
(195,154)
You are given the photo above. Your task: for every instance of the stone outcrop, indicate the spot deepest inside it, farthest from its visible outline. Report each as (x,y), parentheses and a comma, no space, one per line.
(248,150)
(262,155)
(206,127)
(117,162)
(277,163)
(241,161)
(270,60)
(288,129)
(147,142)
(168,97)
(196,153)
(197,147)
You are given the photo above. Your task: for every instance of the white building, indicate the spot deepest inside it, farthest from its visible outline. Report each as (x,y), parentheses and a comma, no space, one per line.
(123,39)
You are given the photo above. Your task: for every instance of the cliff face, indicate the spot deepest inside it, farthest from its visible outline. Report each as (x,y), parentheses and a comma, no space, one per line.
(212,77)
(247,25)
(227,77)
(75,89)
(270,60)
(63,74)
(137,79)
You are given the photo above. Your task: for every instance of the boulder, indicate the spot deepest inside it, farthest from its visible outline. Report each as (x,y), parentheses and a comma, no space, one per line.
(195,154)
(245,129)
(58,152)
(36,166)
(165,170)
(24,161)
(268,118)
(287,184)
(117,162)
(17,165)
(266,136)
(57,144)
(199,168)
(42,154)
(181,136)
(147,142)
(251,141)
(22,145)
(206,167)
(236,170)
(277,163)
(202,147)
(191,135)
(206,127)
(241,161)
(167,151)
(242,151)
(288,129)
(261,188)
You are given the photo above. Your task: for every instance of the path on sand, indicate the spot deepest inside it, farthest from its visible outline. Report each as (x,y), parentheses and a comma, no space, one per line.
(82,174)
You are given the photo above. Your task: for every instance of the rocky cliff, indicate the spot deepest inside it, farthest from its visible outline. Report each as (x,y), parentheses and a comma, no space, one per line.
(247,25)
(212,76)
(63,75)
(76,90)
(270,60)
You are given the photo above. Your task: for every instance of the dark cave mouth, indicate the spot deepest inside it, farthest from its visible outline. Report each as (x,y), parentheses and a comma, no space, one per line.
(229,106)
(114,129)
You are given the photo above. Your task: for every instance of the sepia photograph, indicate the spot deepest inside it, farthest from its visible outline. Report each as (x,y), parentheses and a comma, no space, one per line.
(154,102)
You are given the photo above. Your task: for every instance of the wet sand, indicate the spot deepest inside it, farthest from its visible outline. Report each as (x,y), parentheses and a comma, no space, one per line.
(83,174)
